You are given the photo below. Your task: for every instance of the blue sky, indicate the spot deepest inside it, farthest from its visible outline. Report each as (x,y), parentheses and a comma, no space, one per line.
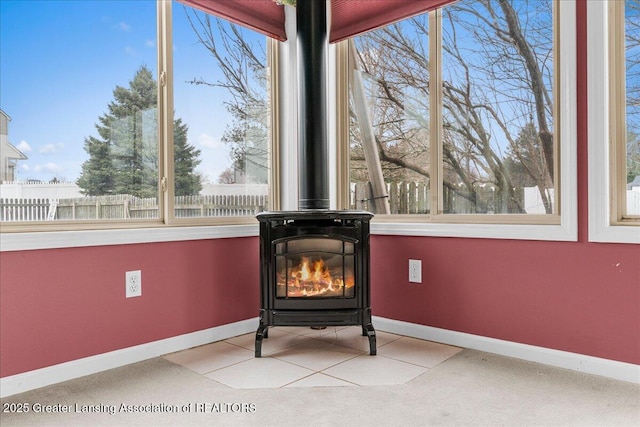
(60,62)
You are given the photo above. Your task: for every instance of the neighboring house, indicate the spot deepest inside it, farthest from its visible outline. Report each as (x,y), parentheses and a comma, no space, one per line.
(9,155)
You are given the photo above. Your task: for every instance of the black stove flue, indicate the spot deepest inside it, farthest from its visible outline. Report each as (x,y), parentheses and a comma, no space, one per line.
(311,18)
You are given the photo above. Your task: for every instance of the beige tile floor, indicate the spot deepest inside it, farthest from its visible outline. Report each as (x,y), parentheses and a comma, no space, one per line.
(305,357)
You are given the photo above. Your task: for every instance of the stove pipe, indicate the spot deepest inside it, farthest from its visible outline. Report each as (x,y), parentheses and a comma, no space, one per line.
(311,20)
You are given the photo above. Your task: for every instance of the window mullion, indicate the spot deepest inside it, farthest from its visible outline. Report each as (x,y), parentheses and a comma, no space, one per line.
(435,112)
(165,111)
(273,61)
(556,93)
(342,79)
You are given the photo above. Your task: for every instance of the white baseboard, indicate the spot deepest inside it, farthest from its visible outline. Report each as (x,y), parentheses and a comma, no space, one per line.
(31,380)
(561,359)
(20,383)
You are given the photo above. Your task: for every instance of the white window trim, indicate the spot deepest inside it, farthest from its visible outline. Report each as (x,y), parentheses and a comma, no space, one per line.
(84,238)
(567,230)
(600,227)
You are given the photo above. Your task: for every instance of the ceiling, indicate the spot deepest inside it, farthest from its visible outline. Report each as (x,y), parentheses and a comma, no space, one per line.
(348,17)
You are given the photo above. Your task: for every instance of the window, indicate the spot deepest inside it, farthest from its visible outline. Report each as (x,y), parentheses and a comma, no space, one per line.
(625,93)
(390,125)
(222,103)
(461,123)
(99,137)
(613,120)
(70,74)
(490,174)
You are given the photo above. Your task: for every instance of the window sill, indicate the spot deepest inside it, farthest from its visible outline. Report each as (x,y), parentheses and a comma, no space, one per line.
(482,231)
(84,238)
(612,233)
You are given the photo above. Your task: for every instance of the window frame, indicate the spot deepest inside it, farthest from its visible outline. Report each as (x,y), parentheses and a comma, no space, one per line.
(562,227)
(283,164)
(603,149)
(165,58)
(618,113)
(166,215)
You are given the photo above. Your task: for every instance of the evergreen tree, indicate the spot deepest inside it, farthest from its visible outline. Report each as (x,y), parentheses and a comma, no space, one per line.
(186,159)
(98,176)
(124,158)
(134,136)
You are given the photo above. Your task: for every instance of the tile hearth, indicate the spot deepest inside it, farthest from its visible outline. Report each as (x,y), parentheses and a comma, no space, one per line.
(305,357)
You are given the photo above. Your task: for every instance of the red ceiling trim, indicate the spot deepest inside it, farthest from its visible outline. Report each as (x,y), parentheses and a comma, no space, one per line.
(350,18)
(263,16)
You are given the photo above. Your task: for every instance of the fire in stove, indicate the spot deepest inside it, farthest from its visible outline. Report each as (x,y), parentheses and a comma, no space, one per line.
(314,278)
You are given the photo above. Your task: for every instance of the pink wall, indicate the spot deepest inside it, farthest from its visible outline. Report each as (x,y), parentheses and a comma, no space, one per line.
(64,304)
(577,297)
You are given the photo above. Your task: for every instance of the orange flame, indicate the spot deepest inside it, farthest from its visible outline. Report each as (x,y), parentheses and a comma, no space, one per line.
(313,279)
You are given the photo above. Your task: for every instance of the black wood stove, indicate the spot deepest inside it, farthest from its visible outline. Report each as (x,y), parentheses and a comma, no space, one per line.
(314,267)
(315,271)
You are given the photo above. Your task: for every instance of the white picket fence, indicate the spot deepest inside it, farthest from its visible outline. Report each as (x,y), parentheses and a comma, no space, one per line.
(409,197)
(127,207)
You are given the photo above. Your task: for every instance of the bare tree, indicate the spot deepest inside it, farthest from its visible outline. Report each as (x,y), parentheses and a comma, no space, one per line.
(227,177)
(497,75)
(243,65)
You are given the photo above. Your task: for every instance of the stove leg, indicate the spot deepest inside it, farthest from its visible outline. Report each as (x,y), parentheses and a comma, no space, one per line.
(369,331)
(260,334)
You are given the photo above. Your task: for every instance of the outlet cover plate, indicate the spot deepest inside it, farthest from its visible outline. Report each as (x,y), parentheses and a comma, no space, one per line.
(415,271)
(133,283)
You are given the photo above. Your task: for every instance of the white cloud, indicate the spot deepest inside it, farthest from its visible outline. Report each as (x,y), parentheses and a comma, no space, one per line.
(123,26)
(25,167)
(130,50)
(208,141)
(150,43)
(24,146)
(51,148)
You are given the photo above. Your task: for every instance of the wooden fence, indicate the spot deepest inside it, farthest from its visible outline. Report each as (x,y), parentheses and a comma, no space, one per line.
(404,197)
(408,197)
(219,205)
(127,207)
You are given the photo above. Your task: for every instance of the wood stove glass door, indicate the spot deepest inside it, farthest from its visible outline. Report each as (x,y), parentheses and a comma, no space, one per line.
(315,267)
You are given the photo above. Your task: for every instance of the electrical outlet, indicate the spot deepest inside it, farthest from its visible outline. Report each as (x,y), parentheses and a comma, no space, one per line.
(415,270)
(133,283)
